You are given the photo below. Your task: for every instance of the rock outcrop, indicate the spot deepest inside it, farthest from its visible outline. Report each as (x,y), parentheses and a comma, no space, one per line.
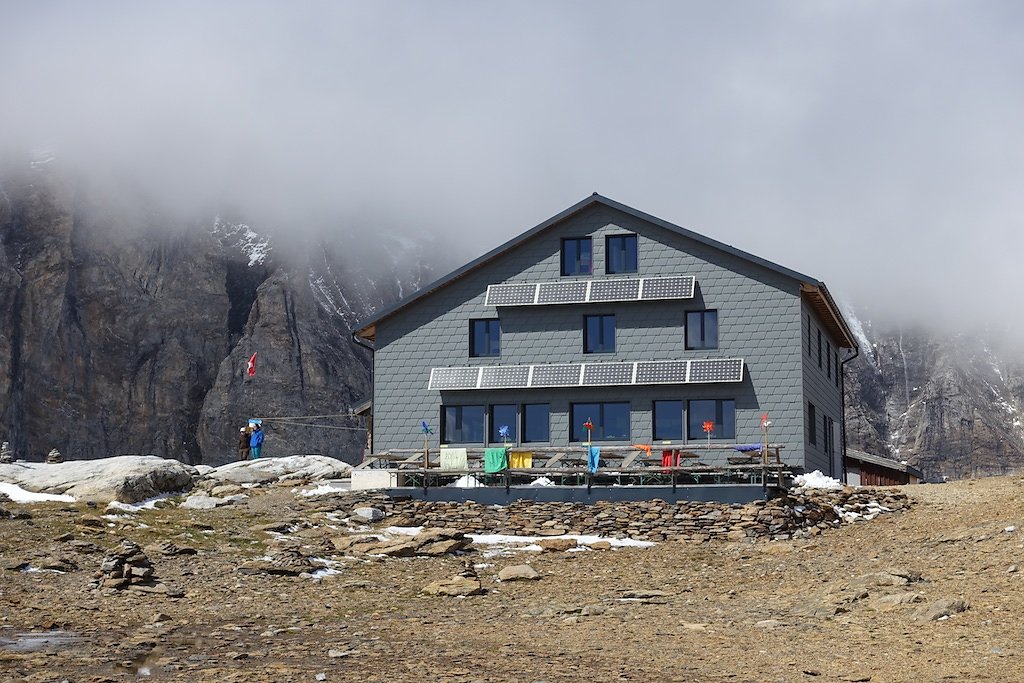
(126,329)
(126,478)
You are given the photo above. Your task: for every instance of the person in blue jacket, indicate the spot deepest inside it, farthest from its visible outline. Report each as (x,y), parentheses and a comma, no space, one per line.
(256,442)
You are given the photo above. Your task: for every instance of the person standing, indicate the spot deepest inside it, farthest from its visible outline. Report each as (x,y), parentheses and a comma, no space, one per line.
(256,442)
(243,444)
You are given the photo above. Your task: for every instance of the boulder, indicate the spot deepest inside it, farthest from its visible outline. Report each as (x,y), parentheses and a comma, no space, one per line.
(889,602)
(289,468)
(200,502)
(457,586)
(551,545)
(368,514)
(125,478)
(944,607)
(519,572)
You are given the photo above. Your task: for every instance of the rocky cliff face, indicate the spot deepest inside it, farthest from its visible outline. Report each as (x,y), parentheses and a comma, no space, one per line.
(952,405)
(127,332)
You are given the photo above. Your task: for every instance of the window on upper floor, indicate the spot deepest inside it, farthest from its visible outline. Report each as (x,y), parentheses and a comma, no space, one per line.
(808,335)
(720,413)
(812,425)
(667,417)
(620,254)
(598,334)
(835,356)
(819,348)
(536,422)
(484,337)
(462,424)
(828,436)
(609,421)
(828,359)
(702,330)
(503,416)
(577,256)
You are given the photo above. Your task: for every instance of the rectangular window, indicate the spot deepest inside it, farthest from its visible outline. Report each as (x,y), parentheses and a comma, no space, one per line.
(720,412)
(577,256)
(668,420)
(812,425)
(828,359)
(835,357)
(503,416)
(620,254)
(826,424)
(702,330)
(610,421)
(819,348)
(598,334)
(484,338)
(536,422)
(808,335)
(462,424)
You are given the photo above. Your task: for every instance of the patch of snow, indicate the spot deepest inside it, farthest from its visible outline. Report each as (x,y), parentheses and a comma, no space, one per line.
(858,330)
(20,495)
(541,481)
(325,488)
(253,245)
(816,480)
(466,481)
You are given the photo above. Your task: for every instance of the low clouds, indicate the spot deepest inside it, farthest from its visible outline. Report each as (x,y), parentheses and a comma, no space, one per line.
(875,145)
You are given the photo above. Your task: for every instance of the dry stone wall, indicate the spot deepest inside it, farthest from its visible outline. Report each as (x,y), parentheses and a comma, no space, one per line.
(799,514)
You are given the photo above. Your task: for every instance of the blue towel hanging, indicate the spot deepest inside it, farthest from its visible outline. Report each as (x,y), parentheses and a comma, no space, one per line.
(593,458)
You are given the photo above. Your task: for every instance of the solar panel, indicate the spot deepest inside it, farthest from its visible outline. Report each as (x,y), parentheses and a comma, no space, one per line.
(453,378)
(505,377)
(598,374)
(510,295)
(675,287)
(556,376)
(615,290)
(716,370)
(661,372)
(562,293)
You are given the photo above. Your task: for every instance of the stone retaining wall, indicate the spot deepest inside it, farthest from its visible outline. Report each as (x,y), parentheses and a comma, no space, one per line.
(801,513)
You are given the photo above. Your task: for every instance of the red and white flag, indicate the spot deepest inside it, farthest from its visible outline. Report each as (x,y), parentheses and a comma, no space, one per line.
(250,367)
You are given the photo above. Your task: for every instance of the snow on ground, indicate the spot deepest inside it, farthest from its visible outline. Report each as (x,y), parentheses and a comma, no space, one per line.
(325,488)
(148,504)
(541,481)
(501,544)
(816,480)
(20,495)
(873,510)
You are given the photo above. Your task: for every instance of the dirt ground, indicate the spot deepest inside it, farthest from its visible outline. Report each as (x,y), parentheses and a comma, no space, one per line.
(803,610)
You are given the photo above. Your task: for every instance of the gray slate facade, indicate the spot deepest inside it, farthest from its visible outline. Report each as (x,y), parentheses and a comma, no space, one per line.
(766,314)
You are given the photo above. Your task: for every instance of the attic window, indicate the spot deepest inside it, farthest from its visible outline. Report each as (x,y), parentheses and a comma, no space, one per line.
(577,256)
(620,254)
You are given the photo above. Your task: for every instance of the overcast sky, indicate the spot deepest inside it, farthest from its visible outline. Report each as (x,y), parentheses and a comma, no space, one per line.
(876,145)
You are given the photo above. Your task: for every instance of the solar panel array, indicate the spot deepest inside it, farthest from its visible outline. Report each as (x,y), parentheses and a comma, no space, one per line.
(501,376)
(556,375)
(716,370)
(562,293)
(676,287)
(454,378)
(511,295)
(591,291)
(705,371)
(615,290)
(662,372)
(598,374)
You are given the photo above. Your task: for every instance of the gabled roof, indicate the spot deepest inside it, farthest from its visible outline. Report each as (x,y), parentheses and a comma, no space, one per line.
(881,461)
(813,290)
